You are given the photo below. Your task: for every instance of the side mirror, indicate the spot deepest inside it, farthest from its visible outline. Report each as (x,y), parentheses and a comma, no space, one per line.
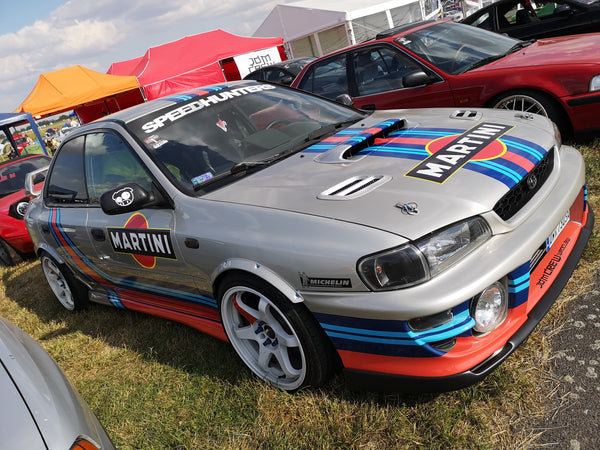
(126,198)
(416,78)
(31,179)
(344,99)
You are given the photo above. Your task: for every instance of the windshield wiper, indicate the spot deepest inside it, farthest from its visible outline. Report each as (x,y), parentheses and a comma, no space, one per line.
(482,62)
(515,48)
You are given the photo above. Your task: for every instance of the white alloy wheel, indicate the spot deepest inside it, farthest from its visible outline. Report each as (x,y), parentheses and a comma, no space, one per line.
(263,337)
(58,283)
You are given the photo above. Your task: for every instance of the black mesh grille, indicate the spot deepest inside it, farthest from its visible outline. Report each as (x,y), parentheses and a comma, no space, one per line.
(518,196)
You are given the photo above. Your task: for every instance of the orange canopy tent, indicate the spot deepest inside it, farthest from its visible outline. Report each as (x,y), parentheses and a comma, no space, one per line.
(90,94)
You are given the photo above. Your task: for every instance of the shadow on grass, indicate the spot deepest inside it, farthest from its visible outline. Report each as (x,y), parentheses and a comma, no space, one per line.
(170,343)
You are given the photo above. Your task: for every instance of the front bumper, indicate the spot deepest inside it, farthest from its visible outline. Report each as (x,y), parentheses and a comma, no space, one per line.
(402,383)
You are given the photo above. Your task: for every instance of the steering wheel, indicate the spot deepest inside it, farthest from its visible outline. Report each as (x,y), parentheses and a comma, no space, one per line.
(277,122)
(456,57)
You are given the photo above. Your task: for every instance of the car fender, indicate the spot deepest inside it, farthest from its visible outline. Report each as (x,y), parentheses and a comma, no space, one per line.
(260,271)
(44,247)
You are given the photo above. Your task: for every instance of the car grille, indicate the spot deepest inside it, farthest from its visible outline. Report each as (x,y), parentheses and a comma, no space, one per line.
(517,197)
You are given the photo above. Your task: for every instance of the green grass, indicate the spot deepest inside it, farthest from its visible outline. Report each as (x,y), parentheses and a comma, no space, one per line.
(159,384)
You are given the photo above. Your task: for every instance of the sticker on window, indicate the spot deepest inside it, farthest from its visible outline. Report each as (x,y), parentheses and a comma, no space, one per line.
(202,178)
(155,141)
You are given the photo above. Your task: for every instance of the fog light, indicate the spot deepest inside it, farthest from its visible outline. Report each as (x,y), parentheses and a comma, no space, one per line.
(490,309)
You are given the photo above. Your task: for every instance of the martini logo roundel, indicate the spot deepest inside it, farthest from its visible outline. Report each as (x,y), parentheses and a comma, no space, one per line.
(142,243)
(448,154)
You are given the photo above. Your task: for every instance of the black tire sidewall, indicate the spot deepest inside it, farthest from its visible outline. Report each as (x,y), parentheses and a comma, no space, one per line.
(79,291)
(320,357)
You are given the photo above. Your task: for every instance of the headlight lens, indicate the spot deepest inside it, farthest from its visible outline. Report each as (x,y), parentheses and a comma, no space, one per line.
(595,84)
(490,309)
(411,264)
(447,246)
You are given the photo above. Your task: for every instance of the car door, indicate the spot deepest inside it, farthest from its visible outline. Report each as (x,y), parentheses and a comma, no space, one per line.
(377,80)
(64,224)
(125,251)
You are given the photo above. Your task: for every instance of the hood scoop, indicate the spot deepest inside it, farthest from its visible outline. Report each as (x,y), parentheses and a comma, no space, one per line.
(466,114)
(354,187)
(345,151)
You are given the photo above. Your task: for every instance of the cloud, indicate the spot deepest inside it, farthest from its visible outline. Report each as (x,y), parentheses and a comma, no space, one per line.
(95,33)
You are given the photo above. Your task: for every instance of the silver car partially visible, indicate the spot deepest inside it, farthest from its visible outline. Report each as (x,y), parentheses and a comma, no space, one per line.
(39,408)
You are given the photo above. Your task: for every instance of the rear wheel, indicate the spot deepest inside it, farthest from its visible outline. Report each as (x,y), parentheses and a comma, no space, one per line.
(279,341)
(70,292)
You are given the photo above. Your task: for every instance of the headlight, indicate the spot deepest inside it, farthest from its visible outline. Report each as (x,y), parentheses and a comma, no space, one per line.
(595,84)
(412,264)
(490,309)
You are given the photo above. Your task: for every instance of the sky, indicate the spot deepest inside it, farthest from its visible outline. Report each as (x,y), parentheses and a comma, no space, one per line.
(39,36)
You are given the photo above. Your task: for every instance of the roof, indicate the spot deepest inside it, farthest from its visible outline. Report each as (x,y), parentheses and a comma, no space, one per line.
(297,19)
(188,62)
(65,89)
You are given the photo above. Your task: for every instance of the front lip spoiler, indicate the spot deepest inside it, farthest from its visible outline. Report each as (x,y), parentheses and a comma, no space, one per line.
(376,381)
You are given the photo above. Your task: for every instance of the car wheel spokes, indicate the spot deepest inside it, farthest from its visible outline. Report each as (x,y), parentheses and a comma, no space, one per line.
(263,337)
(522,103)
(58,284)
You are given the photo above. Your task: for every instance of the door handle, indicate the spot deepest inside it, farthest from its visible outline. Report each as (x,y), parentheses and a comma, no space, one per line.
(370,107)
(45,229)
(98,234)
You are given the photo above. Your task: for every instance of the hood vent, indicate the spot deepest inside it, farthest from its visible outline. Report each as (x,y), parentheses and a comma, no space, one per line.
(354,187)
(466,114)
(345,151)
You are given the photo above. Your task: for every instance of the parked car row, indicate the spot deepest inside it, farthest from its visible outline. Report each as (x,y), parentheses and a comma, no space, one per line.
(448,64)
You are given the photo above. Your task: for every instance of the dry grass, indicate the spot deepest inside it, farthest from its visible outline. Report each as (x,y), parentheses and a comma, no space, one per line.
(158,384)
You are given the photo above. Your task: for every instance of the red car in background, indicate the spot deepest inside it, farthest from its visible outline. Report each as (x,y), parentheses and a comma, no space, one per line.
(22,142)
(14,238)
(443,63)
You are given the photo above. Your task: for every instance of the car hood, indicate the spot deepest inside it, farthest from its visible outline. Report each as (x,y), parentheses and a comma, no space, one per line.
(39,399)
(406,172)
(563,50)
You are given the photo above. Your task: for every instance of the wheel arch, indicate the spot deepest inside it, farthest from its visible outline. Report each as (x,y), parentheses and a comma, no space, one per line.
(231,266)
(566,124)
(45,248)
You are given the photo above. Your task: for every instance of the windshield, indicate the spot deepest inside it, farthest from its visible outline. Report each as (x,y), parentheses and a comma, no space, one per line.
(12,175)
(214,135)
(454,47)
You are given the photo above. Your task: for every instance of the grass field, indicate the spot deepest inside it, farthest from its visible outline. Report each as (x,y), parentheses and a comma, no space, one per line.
(159,384)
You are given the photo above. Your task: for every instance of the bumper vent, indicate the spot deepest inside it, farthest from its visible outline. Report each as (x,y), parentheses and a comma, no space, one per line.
(354,187)
(512,202)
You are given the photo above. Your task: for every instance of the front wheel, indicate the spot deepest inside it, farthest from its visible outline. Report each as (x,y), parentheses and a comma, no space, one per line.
(279,341)
(527,101)
(71,293)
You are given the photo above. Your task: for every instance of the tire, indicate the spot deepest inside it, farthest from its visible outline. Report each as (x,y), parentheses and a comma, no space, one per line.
(8,255)
(71,293)
(528,101)
(279,341)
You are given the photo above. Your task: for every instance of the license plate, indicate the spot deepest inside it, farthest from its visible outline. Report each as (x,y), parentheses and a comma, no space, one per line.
(561,225)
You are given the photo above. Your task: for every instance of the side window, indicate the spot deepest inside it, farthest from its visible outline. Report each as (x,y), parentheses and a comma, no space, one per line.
(65,184)
(380,69)
(109,163)
(327,78)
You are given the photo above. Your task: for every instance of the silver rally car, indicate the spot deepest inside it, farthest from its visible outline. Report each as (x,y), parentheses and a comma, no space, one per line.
(414,249)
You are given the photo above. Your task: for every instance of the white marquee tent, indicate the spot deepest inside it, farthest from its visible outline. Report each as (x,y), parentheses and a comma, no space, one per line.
(315,27)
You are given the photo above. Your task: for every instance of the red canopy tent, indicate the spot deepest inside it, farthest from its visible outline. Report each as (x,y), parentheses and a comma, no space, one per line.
(198,60)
